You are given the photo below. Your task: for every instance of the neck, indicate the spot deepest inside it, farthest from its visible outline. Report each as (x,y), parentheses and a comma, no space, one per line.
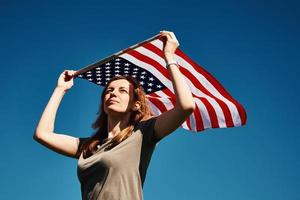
(116,124)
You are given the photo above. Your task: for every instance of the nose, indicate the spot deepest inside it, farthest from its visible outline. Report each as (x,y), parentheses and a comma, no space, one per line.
(112,93)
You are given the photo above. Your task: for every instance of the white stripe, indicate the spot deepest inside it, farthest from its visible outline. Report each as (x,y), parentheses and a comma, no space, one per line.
(158,112)
(211,89)
(185,126)
(154,109)
(149,68)
(212,101)
(194,89)
(204,113)
(152,55)
(193,122)
(169,105)
(158,43)
(233,110)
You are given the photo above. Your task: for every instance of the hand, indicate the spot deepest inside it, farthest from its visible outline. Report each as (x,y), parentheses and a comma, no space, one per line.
(65,80)
(170,45)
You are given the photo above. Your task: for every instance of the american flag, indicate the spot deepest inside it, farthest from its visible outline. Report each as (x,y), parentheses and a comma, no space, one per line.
(215,107)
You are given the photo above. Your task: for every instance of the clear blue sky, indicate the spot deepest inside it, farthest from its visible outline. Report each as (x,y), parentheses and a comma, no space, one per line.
(251,47)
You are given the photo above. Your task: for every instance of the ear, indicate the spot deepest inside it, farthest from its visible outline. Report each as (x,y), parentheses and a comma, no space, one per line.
(136,106)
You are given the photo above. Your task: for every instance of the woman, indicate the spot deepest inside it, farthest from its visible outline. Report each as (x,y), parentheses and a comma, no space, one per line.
(112,164)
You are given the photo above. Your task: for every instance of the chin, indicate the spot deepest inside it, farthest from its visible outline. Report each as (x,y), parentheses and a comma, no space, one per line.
(113,111)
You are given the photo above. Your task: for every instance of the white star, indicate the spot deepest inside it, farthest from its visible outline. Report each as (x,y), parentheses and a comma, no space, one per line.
(118,59)
(98,74)
(126,72)
(149,89)
(88,72)
(90,79)
(158,86)
(107,79)
(141,82)
(150,84)
(143,72)
(142,77)
(117,63)
(107,71)
(80,75)
(98,79)
(126,68)
(135,72)
(133,75)
(151,79)
(107,74)
(126,64)
(98,68)
(135,69)
(117,71)
(99,82)
(117,67)
(108,63)
(107,67)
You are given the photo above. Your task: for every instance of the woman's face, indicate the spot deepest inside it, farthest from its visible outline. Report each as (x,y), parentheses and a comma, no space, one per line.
(118,97)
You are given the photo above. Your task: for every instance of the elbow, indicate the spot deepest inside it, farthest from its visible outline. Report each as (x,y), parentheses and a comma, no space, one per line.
(189,108)
(37,135)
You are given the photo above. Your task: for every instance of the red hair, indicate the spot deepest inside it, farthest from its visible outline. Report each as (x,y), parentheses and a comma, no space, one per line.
(90,146)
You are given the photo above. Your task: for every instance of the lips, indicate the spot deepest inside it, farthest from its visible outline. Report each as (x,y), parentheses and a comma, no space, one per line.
(112,101)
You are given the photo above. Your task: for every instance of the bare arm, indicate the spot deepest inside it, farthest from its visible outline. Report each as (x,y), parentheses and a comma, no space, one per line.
(172,119)
(44,133)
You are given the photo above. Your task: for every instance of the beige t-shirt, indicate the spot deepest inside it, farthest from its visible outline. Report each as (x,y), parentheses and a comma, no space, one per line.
(118,173)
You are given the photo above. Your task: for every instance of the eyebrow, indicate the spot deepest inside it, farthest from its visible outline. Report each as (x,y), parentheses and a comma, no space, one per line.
(122,87)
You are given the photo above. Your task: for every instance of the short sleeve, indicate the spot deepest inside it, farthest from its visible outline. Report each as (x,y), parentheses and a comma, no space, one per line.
(147,129)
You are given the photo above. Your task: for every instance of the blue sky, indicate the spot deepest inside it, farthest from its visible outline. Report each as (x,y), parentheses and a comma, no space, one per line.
(251,47)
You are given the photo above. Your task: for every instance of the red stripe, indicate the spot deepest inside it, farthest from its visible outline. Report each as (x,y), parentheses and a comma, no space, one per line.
(158,104)
(224,107)
(168,92)
(150,61)
(196,82)
(153,98)
(198,119)
(216,84)
(154,49)
(169,95)
(212,113)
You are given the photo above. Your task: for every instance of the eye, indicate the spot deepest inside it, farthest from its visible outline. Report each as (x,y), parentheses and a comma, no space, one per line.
(108,91)
(123,91)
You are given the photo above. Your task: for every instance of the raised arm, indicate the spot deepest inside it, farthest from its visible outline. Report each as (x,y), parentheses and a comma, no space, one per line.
(169,121)
(44,133)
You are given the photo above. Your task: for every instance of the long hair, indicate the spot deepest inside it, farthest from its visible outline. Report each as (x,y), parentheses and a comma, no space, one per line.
(100,125)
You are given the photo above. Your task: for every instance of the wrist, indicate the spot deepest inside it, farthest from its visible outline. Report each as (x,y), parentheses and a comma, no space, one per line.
(169,57)
(61,89)
(170,62)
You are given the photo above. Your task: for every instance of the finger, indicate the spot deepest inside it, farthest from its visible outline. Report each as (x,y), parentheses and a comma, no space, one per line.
(168,37)
(164,33)
(173,36)
(170,33)
(72,72)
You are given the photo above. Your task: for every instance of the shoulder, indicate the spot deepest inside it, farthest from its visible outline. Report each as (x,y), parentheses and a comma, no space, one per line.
(147,121)
(146,128)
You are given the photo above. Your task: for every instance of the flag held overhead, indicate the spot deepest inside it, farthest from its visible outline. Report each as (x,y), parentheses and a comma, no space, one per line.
(215,107)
